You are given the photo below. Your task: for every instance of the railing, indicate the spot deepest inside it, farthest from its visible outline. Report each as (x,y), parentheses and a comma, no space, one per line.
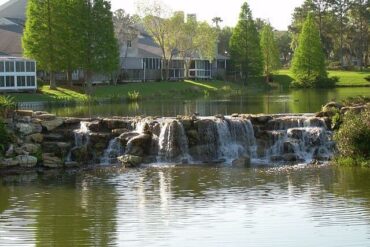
(200,73)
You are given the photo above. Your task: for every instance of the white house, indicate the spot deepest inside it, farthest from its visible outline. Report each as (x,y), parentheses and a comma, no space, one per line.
(17,74)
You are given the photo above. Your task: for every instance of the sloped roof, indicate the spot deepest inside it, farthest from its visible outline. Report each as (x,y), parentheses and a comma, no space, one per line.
(11,43)
(14,9)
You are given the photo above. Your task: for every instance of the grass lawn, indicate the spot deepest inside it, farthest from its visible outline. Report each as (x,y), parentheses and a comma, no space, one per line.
(185,89)
(45,94)
(346,78)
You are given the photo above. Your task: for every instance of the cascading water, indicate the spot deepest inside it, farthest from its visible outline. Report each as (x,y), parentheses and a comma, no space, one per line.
(173,143)
(279,139)
(236,139)
(114,150)
(81,138)
(299,139)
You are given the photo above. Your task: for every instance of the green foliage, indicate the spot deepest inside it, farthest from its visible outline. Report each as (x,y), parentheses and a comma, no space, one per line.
(133,96)
(270,51)
(308,64)
(68,35)
(4,138)
(367,78)
(7,104)
(245,46)
(353,137)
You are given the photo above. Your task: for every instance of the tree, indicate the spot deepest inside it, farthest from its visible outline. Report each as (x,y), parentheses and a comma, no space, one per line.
(40,37)
(217,20)
(308,64)
(99,48)
(224,37)
(270,51)
(123,26)
(284,40)
(245,45)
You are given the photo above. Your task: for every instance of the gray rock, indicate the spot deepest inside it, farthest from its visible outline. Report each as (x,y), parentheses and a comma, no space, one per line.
(244,161)
(46,117)
(26,161)
(31,148)
(9,162)
(52,124)
(130,160)
(24,113)
(50,161)
(36,138)
(28,128)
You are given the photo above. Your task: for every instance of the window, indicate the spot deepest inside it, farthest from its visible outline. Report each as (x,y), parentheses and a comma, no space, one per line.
(21,81)
(20,66)
(152,63)
(9,66)
(2,81)
(9,81)
(31,81)
(30,67)
(1,66)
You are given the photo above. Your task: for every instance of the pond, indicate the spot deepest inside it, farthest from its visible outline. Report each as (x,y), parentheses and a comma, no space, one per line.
(254,101)
(187,206)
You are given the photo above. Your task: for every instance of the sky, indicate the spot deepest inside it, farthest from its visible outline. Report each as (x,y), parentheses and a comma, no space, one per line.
(277,12)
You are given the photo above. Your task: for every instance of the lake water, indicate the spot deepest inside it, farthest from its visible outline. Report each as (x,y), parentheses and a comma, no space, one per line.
(187,206)
(253,101)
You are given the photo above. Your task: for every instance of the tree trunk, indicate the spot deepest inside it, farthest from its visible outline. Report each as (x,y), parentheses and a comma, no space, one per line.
(53,84)
(69,78)
(88,83)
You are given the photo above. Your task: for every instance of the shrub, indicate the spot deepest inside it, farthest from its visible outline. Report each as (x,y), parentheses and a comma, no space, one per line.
(133,96)
(4,138)
(353,137)
(317,82)
(7,104)
(367,78)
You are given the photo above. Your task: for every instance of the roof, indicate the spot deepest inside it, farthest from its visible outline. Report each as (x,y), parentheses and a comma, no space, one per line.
(11,43)
(14,9)
(9,58)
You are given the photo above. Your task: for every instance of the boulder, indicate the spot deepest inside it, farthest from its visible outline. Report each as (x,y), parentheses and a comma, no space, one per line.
(125,137)
(332,105)
(46,117)
(80,154)
(9,162)
(26,161)
(52,124)
(291,157)
(139,145)
(235,115)
(10,151)
(31,148)
(24,113)
(59,149)
(36,138)
(53,137)
(71,164)
(28,128)
(130,160)
(50,161)
(95,126)
(244,161)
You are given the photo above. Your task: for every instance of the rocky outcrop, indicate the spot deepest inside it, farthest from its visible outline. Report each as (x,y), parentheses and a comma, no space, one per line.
(45,140)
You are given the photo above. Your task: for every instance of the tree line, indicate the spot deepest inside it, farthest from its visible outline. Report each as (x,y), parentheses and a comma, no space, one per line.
(71,35)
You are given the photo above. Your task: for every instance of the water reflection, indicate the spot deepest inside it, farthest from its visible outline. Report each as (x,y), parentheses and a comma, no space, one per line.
(213,206)
(276,101)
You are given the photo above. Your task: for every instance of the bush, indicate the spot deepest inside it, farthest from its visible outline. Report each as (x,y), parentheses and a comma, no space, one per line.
(318,82)
(4,138)
(367,78)
(133,96)
(7,104)
(353,137)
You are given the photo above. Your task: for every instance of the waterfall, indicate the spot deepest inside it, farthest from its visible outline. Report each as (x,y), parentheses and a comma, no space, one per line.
(82,135)
(299,139)
(113,151)
(173,143)
(236,139)
(81,138)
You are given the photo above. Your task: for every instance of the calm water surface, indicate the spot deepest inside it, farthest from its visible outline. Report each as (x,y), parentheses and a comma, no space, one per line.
(187,206)
(276,101)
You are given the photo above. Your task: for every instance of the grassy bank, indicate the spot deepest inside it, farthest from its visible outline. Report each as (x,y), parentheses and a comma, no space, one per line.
(346,78)
(149,90)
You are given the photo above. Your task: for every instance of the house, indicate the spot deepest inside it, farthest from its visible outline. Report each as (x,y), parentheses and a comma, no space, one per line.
(17,74)
(141,60)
